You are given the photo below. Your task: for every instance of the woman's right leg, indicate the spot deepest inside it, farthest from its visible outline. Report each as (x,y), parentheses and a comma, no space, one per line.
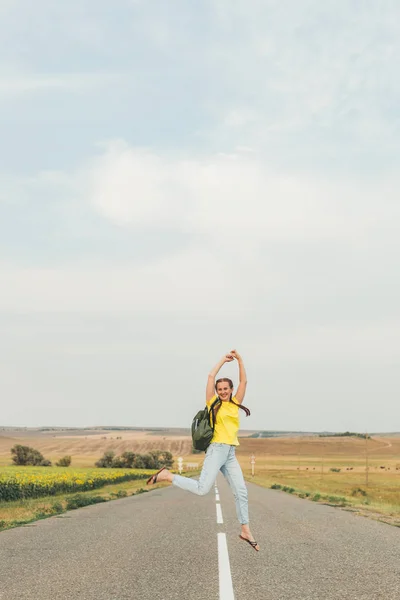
(215,457)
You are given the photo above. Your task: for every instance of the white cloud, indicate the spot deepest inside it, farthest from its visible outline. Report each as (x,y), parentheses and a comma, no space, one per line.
(134,186)
(223,196)
(240,219)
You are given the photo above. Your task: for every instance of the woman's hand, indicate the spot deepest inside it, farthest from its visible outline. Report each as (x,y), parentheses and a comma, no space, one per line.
(210,389)
(235,354)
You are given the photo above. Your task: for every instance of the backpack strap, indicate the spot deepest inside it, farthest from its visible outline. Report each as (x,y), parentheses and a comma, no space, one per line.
(211,411)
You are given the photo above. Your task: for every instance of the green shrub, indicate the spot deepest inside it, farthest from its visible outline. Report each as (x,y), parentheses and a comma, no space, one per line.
(80,500)
(287,488)
(335,470)
(58,507)
(46,511)
(316,497)
(337,500)
(122,494)
(276,486)
(41,515)
(65,461)
(358,492)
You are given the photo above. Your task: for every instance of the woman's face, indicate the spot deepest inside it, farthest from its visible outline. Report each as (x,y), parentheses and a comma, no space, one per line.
(224,390)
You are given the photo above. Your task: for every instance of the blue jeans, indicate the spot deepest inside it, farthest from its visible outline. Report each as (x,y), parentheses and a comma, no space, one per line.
(219,457)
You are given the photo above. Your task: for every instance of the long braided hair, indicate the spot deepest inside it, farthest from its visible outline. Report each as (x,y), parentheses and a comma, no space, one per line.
(219,404)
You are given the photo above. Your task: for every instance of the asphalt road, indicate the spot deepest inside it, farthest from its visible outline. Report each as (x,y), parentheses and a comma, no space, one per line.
(165,546)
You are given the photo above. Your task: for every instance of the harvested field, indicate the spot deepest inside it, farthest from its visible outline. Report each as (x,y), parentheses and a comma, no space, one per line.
(86,446)
(86,449)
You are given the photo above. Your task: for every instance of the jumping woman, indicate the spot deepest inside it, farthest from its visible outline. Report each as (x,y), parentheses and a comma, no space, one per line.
(220,455)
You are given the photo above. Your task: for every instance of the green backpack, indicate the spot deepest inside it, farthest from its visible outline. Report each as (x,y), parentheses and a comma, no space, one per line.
(202,430)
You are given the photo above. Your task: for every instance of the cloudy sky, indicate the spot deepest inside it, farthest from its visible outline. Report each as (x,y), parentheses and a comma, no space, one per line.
(182,178)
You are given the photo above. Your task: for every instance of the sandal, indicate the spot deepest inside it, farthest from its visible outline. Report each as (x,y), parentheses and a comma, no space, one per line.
(153,478)
(252,544)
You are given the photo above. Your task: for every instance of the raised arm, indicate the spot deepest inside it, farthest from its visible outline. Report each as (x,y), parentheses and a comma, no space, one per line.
(210,390)
(242,377)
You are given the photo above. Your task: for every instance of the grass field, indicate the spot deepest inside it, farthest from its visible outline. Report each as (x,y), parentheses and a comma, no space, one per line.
(368,480)
(301,464)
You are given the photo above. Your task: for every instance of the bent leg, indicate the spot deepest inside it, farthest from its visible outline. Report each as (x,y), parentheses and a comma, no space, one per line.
(215,457)
(232,472)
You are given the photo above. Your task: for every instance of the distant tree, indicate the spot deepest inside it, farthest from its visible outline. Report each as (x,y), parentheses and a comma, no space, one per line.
(106,461)
(25,455)
(65,461)
(155,459)
(117,463)
(166,459)
(20,454)
(128,459)
(151,460)
(346,434)
(139,462)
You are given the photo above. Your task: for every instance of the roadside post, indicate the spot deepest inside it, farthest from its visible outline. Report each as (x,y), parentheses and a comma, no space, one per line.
(180,464)
(252,462)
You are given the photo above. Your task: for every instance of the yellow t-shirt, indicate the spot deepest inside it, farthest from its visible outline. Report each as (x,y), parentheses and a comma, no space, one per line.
(227,423)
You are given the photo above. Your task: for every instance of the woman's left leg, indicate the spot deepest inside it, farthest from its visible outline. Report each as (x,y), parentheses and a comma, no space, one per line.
(232,472)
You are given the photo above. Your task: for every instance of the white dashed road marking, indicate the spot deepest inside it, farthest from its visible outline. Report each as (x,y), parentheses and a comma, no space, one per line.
(219,514)
(225,578)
